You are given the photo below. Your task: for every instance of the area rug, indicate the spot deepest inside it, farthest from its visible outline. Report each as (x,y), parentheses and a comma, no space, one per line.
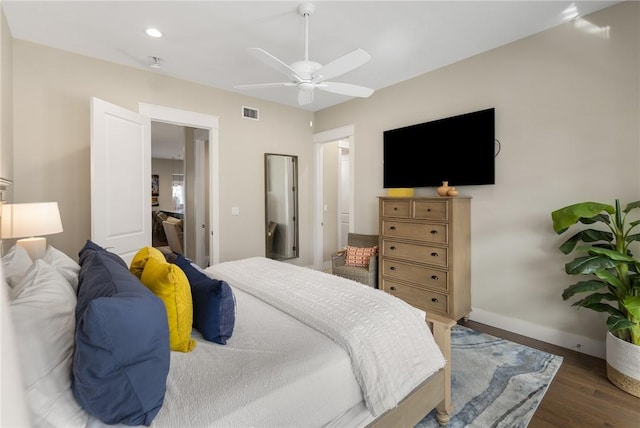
(495,382)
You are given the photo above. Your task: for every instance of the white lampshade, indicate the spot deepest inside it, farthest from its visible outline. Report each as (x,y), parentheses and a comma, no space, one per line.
(28,221)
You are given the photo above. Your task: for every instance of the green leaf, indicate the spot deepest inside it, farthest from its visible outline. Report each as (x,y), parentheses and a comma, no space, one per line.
(596,298)
(604,218)
(582,287)
(608,253)
(565,217)
(589,264)
(611,279)
(600,307)
(615,323)
(588,235)
(632,305)
(631,206)
(634,237)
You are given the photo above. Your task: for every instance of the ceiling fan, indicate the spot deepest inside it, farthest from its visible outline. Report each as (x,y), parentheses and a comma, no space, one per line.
(308,75)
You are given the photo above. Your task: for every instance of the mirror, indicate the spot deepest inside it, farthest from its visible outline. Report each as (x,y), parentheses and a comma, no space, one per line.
(281,206)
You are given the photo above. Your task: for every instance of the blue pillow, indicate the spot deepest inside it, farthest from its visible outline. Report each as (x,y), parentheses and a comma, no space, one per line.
(121,360)
(214,305)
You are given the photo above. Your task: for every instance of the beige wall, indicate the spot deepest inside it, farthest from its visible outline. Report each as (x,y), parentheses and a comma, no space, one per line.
(567,115)
(6,103)
(52,89)
(13,408)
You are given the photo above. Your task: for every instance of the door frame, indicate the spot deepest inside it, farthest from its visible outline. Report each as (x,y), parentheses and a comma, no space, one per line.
(320,138)
(209,123)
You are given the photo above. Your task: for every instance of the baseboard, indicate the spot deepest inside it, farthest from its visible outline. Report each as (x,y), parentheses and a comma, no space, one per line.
(556,337)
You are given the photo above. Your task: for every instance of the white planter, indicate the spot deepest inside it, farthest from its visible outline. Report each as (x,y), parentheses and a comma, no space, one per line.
(623,364)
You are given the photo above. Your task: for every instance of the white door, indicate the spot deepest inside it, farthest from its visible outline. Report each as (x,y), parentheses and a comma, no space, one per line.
(343,193)
(199,203)
(120,194)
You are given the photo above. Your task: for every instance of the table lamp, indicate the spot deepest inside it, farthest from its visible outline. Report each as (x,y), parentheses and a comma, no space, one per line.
(27,221)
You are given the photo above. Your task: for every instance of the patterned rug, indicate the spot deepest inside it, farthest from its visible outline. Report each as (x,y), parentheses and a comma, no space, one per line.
(495,382)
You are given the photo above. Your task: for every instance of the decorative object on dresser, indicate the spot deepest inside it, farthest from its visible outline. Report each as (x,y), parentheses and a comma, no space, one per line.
(425,256)
(349,267)
(28,220)
(444,189)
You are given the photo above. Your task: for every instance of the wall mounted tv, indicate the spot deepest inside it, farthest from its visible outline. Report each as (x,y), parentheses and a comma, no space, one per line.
(458,149)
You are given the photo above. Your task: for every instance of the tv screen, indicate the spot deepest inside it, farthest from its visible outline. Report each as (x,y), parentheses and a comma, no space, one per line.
(458,149)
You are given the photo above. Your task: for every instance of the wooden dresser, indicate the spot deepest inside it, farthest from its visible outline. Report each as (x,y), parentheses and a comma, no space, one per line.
(425,256)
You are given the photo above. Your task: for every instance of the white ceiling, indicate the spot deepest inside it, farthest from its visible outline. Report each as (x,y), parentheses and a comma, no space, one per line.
(207,41)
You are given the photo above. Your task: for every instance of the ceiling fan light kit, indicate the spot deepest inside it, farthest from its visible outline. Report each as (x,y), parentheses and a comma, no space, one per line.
(308,75)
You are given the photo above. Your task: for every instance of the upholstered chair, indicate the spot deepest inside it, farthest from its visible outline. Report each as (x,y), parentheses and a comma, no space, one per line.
(364,274)
(173,229)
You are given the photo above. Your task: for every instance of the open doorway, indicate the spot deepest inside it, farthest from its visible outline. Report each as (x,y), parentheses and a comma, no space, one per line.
(334,192)
(197,179)
(179,200)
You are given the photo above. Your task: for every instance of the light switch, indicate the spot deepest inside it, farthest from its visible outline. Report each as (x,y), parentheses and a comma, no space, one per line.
(235,210)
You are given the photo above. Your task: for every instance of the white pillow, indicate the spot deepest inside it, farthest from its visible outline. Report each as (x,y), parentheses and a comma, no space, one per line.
(15,264)
(43,310)
(64,264)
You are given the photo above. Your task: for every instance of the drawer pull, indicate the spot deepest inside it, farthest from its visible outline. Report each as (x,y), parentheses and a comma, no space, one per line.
(392,268)
(434,300)
(428,210)
(434,232)
(434,277)
(392,228)
(434,254)
(395,208)
(393,289)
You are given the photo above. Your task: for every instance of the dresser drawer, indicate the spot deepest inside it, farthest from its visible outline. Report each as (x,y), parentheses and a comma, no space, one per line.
(418,297)
(430,210)
(436,256)
(436,233)
(421,276)
(399,208)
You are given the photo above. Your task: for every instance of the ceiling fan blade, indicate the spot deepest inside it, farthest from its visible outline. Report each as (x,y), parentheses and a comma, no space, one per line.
(345,89)
(274,62)
(342,65)
(305,97)
(265,85)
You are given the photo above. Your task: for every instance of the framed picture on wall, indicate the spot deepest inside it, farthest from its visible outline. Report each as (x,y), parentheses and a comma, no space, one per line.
(155,189)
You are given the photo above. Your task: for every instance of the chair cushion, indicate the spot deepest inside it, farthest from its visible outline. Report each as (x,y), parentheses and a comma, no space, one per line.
(121,361)
(214,305)
(357,256)
(169,283)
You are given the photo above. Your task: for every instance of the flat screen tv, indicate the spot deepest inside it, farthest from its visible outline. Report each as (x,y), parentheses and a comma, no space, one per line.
(458,149)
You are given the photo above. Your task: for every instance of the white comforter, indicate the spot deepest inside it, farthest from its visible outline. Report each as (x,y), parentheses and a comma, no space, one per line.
(391,348)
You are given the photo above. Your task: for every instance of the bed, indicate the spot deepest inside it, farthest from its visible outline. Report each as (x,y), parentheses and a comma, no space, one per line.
(307,349)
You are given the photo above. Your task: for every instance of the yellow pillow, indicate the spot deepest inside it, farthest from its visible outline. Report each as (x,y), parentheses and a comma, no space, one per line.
(141,257)
(170,283)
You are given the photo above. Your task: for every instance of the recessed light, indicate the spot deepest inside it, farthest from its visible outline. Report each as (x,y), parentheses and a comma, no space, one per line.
(153,32)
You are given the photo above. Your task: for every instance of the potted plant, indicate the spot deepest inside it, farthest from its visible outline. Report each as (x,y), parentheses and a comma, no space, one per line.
(614,283)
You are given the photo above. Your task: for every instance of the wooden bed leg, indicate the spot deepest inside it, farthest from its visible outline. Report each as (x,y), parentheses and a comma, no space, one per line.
(441,329)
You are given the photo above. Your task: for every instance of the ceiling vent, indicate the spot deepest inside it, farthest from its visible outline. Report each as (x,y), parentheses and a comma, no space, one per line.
(250,113)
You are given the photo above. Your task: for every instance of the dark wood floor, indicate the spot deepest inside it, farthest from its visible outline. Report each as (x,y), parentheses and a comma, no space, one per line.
(580,394)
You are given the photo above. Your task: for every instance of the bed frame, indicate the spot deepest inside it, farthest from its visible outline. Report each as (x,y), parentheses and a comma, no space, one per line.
(434,392)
